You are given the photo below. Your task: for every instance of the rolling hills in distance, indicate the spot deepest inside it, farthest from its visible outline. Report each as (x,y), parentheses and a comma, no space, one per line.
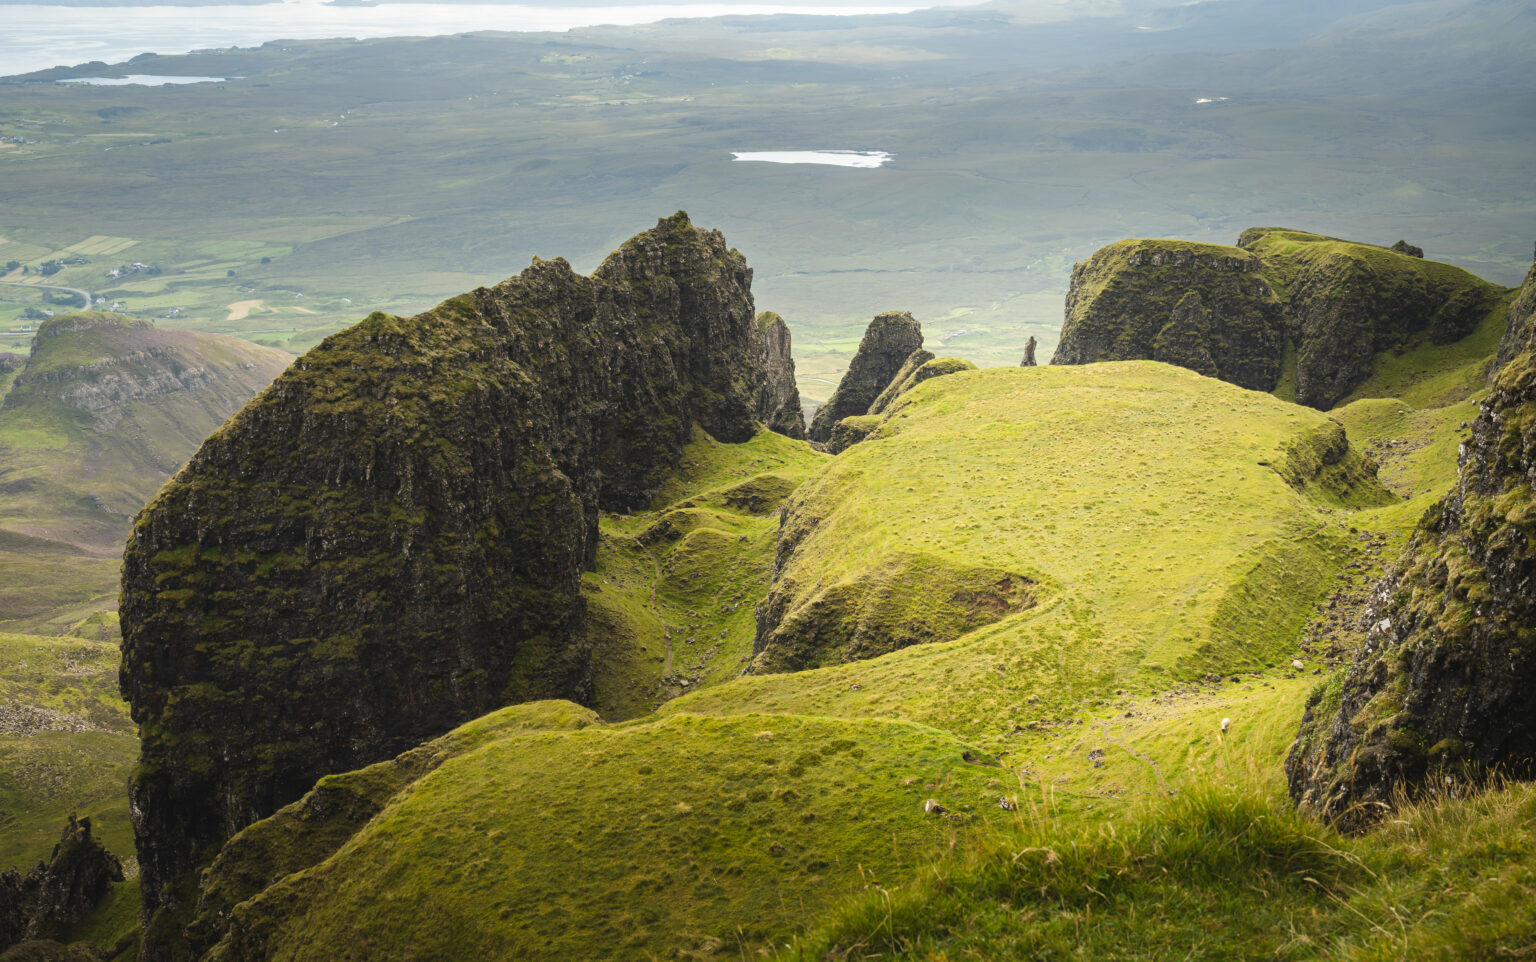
(322,181)
(101,412)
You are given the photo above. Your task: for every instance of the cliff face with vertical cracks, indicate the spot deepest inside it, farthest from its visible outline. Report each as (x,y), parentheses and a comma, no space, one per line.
(390,539)
(778,400)
(1440,694)
(1238,313)
(1200,306)
(887,343)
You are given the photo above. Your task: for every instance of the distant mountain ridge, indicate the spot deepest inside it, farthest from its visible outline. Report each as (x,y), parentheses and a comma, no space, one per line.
(99,415)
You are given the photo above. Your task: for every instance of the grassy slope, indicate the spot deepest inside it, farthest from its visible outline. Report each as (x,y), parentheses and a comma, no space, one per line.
(740,812)
(66,745)
(614,842)
(1408,417)
(1288,253)
(1138,496)
(1223,871)
(673,596)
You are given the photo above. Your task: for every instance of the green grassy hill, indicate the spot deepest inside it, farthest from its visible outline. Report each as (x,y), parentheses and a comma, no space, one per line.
(1177,535)
(104,411)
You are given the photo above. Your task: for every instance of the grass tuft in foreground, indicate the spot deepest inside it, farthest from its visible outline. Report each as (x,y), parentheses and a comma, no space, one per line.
(1220,871)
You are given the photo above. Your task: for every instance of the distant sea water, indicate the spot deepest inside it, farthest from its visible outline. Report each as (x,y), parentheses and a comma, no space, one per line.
(39,36)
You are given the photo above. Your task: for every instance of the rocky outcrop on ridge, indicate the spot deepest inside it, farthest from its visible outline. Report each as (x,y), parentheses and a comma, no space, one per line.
(901,381)
(921,366)
(100,363)
(1440,693)
(390,539)
(46,901)
(1231,312)
(778,401)
(149,395)
(1195,305)
(887,343)
(907,380)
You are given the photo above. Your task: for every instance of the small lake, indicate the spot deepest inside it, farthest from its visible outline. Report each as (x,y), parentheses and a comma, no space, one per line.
(834,158)
(141,80)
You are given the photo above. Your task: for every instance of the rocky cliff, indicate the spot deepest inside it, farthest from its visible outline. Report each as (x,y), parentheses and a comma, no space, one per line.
(10,366)
(390,539)
(1235,313)
(1200,306)
(1440,693)
(778,400)
(921,366)
(43,903)
(887,343)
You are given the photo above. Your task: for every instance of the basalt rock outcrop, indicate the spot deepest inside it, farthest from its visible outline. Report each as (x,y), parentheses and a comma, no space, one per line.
(1235,312)
(778,399)
(1440,693)
(914,374)
(10,365)
(45,902)
(921,366)
(1187,304)
(900,381)
(888,342)
(390,539)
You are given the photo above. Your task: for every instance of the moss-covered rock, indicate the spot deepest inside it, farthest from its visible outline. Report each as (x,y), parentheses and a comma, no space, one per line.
(46,902)
(920,367)
(851,431)
(888,342)
(1029,352)
(900,381)
(1200,306)
(1440,693)
(1232,312)
(778,400)
(390,539)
